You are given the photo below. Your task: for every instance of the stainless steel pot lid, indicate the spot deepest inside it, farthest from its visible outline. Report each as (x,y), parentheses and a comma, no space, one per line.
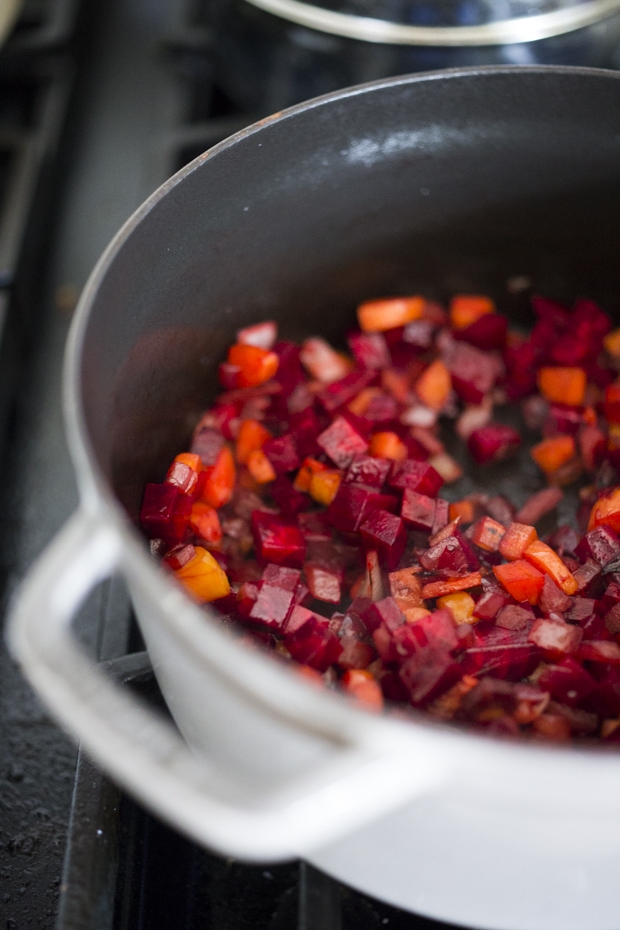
(522,22)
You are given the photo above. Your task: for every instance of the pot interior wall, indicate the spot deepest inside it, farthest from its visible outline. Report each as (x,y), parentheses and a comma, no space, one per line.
(457,182)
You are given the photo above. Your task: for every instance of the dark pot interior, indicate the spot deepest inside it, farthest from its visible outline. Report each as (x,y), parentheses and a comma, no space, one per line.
(434,184)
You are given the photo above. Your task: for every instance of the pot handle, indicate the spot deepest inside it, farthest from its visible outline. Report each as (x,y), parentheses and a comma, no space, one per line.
(147,756)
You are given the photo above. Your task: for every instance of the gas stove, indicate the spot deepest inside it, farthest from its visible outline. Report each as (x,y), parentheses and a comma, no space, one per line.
(100,102)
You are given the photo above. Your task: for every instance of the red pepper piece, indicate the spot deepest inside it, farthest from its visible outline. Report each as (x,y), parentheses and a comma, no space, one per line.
(256,365)
(341,441)
(277,540)
(521,579)
(165,512)
(205,523)
(219,481)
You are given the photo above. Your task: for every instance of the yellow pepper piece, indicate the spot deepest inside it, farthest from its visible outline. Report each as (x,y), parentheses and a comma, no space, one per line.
(204,577)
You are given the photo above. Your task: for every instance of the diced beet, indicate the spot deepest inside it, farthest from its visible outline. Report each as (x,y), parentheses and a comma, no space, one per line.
(538,506)
(356,653)
(428,673)
(501,654)
(290,372)
(312,642)
(581,723)
(207,443)
(179,556)
(564,540)
(436,629)
(555,637)
(384,612)
(487,333)
(601,544)
(581,609)
(323,582)
(277,540)
(183,477)
(365,469)
(283,454)
(305,427)
(513,617)
(490,603)
(370,350)
(611,596)
(599,651)
(165,512)
(386,533)
(588,577)
(562,418)
(553,598)
(246,597)
(353,503)
(488,699)
(418,510)
(612,619)
(442,515)
(342,442)
(288,498)
(416,476)
(605,699)
(567,682)
(275,596)
(419,333)
(340,392)
(472,374)
(454,553)
(493,443)
(314,526)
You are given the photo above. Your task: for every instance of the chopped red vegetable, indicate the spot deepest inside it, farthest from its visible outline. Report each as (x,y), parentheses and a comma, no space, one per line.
(307,508)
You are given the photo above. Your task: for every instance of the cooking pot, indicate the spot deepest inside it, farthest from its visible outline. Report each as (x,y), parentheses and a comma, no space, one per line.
(453,181)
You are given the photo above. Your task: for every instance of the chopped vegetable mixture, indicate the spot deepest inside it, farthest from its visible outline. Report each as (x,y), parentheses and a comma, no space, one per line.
(309,511)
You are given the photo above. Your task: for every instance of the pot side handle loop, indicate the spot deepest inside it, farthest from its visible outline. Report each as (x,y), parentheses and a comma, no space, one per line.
(146,755)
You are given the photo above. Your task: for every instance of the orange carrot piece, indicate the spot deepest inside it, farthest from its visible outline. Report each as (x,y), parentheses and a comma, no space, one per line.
(360,685)
(606,511)
(612,343)
(434,385)
(465,309)
(220,481)
(542,557)
(396,383)
(260,467)
(205,522)
(360,401)
(515,540)
(376,316)
(551,454)
(310,674)
(463,510)
(488,534)
(521,579)
(324,485)
(303,478)
(190,459)
(439,588)
(387,445)
(553,727)
(255,365)
(563,385)
(252,435)
(204,577)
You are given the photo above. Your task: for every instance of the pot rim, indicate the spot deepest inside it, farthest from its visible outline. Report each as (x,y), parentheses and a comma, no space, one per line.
(326,712)
(501,32)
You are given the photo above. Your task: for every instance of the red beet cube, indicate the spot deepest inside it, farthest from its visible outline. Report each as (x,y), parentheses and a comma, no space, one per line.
(314,527)
(416,476)
(341,441)
(436,629)
(501,654)
(312,642)
(290,371)
(601,545)
(472,374)
(386,533)
(283,454)
(490,603)
(501,510)
(418,510)
(277,540)
(487,333)
(605,651)
(384,612)
(323,582)
(246,597)
(183,477)
(370,350)
(428,673)
(581,609)
(513,617)
(275,596)
(567,682)
(353,503)
(442,515)
(493,443)
(288,498)
(179,556)
(340,392)
(364,469)
(208,443)
(554,637)
(165,512)
(356,651)
(454,553)
(552,598)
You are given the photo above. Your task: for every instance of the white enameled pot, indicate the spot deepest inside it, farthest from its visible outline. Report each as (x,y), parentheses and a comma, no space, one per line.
(435,183)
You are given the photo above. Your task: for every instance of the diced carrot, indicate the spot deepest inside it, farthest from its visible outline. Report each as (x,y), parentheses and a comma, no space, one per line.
(204,577)
(606,511)
(465,309)
(359,403)
(488,534)
(361,685)
(387,445)
(461,606)
(464,510)
(324,485)
(255,365)
(612,343)
(439,588)
(303,478)
(515,540)
(205,522)
(376,316)
(611,405)
(219,480)
(412,614)
(396,383)
(552,453)
(311,674)
(190,459)
(552,726)
(434,385)
(521,579)
(260,467)
(563,385)
(542,557)
(252,435)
